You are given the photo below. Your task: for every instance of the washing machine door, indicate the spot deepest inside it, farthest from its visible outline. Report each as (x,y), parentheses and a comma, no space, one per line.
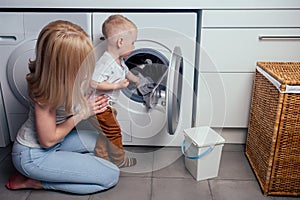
(174,90)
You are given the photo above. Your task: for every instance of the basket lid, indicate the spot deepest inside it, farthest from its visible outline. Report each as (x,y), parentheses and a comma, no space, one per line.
(284,72)
(204,136)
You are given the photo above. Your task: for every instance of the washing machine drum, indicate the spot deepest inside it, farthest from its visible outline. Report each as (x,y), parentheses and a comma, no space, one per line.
(150,66)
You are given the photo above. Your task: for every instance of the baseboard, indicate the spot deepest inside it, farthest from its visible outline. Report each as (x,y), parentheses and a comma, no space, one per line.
(233,135)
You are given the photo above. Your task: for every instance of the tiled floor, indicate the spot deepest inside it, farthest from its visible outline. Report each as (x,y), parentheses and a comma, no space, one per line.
(159,175)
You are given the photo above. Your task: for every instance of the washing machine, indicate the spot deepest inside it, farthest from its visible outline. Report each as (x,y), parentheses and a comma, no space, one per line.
(165,53)
(18,35)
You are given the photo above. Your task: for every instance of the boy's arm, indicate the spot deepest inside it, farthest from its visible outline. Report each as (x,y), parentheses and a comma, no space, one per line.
(103,86)
(133,78)
(106,86)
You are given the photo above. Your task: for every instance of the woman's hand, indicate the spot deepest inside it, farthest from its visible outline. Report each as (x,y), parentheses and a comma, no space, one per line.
(98,104)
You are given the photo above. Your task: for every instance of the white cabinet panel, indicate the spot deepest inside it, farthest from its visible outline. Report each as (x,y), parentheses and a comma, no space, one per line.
(224,99)
(11,31)
(163,20)
(34,22)
(231,43)
(238,50)
(251,18)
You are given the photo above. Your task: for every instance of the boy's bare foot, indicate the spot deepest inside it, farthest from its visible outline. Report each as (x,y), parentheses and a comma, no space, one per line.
(19,181)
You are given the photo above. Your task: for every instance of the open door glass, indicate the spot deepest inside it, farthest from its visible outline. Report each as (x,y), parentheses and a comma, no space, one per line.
(174,90)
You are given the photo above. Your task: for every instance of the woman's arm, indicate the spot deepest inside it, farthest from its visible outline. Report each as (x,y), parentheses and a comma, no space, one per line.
(49,133)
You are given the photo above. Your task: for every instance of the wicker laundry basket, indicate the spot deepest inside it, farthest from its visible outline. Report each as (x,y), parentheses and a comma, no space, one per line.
(273,140)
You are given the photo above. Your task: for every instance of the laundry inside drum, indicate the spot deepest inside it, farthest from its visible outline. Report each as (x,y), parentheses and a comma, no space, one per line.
(151,67)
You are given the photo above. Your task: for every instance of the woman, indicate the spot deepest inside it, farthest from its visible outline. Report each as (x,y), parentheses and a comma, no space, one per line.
(49,153)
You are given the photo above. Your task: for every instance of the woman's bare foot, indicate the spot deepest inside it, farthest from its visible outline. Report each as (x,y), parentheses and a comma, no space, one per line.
(19,181)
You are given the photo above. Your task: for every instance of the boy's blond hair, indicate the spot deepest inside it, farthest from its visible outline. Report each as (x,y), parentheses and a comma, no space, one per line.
(115,25)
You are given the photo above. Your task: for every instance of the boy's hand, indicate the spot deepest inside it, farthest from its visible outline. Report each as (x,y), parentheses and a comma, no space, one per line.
(122,84)
(137,83)
(133,78)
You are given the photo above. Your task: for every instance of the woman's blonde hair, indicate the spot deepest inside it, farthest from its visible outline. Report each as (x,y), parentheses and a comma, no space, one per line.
(63,66)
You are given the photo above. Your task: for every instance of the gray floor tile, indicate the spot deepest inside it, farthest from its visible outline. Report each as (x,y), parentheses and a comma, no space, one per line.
(233,147)
(180,189)
(175,170)
(6,169)
(234,165)
(169,179)
(6,194)
(236,190)
(165,158)
(53,195)
(128,188)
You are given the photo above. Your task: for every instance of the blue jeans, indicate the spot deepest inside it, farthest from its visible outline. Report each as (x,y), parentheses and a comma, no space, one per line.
(68,166)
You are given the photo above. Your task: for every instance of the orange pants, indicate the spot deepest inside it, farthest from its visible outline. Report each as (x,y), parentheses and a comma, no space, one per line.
(109,143)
